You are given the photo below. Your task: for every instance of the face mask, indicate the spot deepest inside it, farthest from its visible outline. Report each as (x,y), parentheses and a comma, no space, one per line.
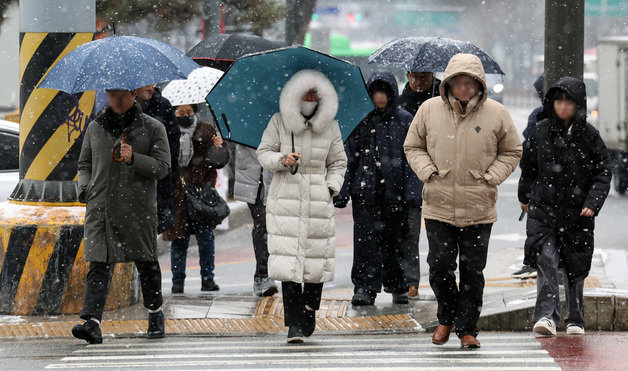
(307,108)
(186,121)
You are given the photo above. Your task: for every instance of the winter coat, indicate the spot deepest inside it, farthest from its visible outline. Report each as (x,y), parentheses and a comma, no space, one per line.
(161,110)
(300,213)
(379,139)
(564,170)
(121,210)
(462,156)
(251,179)
(411,100)
(200,170)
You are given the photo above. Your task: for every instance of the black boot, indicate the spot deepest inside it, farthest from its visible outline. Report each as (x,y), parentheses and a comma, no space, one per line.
(209,285)
(177,287)
(309,322)
(88,331)
(295,335)
(156,325)
(363,297)
(401,298)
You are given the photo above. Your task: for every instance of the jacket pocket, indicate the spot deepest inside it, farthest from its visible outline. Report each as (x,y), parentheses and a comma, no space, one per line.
(486,192)
(434,182)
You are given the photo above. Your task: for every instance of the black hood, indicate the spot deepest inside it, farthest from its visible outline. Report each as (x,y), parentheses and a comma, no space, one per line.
(388,80)
(575,89)
(538,85)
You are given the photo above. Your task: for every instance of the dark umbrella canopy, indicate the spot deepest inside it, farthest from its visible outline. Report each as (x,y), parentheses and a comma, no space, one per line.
(220,51)
(428,54)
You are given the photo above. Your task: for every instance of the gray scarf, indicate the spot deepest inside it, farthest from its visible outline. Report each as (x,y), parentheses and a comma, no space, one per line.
(186,147)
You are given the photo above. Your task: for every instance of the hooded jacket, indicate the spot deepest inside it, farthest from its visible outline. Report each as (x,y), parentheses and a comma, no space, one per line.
(563,170)
(462,155)
(300,213)
(379,139)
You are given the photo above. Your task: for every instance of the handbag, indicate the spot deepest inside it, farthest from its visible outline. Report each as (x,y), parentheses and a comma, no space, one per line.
(204,204)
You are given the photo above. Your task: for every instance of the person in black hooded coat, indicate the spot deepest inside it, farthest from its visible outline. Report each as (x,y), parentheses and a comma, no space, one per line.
(565,178)
(381,185)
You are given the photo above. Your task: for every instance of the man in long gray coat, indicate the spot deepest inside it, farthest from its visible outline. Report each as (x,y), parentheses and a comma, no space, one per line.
(119,188)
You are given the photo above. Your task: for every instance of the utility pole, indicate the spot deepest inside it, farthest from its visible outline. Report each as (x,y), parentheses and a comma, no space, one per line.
(564,39)
(211,17)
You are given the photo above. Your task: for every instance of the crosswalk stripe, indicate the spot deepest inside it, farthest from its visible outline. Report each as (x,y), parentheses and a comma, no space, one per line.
(212,347)
(382,353)
(319,361)
(400,340)
(385,353)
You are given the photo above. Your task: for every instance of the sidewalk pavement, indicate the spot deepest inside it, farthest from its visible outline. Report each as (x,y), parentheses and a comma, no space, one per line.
(508,305)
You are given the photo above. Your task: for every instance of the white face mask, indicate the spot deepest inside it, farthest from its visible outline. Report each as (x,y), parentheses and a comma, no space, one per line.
(307,108)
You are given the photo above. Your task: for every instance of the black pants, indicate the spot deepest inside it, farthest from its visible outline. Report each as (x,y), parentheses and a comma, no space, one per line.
(458,305)
(410,256)
(295,297)
(260,238)
(97,287)
(378,235)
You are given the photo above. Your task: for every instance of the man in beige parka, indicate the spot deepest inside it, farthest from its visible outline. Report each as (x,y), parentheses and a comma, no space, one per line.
(462,145)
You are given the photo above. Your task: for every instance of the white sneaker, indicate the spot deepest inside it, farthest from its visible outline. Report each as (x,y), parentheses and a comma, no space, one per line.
(544,327)
(575,330)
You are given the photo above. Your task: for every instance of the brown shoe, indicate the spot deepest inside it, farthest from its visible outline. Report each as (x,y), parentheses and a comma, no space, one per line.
(413,292)
(441,334)
(469,341)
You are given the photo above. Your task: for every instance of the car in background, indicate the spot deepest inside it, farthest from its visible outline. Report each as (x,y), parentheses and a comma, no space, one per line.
(9,158)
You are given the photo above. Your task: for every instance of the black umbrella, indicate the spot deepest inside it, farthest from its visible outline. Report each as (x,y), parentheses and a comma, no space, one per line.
(428,54)
(221,50)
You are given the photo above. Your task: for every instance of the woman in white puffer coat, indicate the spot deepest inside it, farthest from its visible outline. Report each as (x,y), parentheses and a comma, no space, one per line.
(300,212)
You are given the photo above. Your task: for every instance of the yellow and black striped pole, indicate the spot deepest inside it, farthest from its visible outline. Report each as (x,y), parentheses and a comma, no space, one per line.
(42,269)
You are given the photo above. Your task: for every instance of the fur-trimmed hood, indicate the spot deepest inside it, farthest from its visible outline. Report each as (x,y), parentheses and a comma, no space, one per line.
(299,84)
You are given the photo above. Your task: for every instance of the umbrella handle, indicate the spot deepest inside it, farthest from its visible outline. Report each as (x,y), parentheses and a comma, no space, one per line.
(224,118)
(113,151)
(295,168)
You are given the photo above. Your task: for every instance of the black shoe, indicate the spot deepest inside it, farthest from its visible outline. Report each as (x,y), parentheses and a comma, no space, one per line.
(88,331)
(177,287)
(295,335)
(209,285)
(309,320)
(363,297)
(525,272)
(400,298)
(156,325)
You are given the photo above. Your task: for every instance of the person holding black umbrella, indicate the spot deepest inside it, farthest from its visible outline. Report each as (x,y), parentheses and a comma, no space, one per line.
(462,145)
(420,87)
(119,187)
(303,146)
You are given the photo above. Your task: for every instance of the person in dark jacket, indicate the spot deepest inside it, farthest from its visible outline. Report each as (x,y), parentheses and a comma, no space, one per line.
(533,118)
(380,183)
(527,271)
(202,152)
(121,207)
(565,178)
(420,87)
(156,106)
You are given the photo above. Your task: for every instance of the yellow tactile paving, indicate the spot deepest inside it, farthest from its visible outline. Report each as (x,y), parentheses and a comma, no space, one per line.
(130,328)
(590,281)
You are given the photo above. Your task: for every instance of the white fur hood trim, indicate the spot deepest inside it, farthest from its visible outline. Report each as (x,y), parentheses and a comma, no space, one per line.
(299,84)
